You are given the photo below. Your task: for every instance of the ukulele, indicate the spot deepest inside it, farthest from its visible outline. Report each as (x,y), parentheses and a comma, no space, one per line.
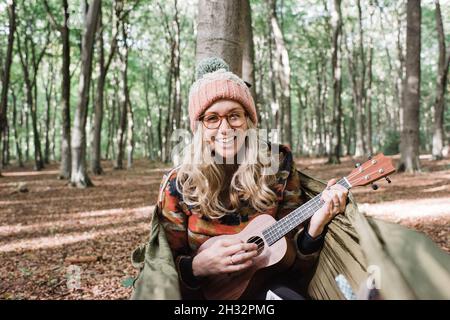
(275,253)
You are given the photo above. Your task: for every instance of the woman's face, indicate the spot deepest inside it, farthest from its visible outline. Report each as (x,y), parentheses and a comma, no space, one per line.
(225,137)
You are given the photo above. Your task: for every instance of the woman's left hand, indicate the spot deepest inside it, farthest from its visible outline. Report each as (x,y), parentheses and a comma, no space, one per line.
(335,197)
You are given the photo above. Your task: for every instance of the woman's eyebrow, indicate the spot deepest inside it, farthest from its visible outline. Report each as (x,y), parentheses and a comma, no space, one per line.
(231,110)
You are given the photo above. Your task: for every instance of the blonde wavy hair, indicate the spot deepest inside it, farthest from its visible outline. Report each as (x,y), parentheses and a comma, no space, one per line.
(200,179)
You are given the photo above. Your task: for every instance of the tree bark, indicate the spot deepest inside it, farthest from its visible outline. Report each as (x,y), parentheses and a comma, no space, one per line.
(441,85)
(335,140)
(218,32)
(283,75)
(410,143)
(124,101)
(7,68)
(64,32)
(248,53)
(16,134)
(79,175)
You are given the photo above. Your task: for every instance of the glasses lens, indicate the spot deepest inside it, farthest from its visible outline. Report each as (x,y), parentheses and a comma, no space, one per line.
(213,121)
(236,119)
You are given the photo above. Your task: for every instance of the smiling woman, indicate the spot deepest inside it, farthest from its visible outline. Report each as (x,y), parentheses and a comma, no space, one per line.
(228,177)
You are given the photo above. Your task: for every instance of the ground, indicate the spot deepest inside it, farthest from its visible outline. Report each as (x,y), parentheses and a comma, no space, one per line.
(58,242)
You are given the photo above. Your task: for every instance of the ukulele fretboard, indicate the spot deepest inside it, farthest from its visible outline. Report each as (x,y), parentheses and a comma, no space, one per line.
(283,226)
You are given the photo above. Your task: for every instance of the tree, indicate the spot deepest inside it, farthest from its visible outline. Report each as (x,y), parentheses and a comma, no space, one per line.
(7,68)
(335,141)
(409,145)
(64,32)
(218,32)
(103,70)
(248,54)
(282,71)
(79,175)
(30,58)
(441,84)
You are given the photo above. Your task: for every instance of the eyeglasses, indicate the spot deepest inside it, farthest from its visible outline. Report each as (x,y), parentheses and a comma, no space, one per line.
(235,119)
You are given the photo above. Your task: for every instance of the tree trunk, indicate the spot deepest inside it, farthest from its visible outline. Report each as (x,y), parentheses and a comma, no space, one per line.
(7,68)
(218,32)
(96,166)
(48,86)
(66,155)
(441,85)
(283,74)
(248,51)
(79,175)
(124,101)
(335,139)
(409,145)
(16,134)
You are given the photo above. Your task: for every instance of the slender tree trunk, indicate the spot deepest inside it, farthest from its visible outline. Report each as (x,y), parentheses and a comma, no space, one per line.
(335,141)
(409,145)
(16,134)
(79,175)
(96,166)
(439,104)
(248,54)
(64,32)
(7,68)
(283,74)
(48,98)
(65,168)
(123,102)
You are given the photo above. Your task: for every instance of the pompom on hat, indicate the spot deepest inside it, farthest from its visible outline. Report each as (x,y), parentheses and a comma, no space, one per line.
(215,82)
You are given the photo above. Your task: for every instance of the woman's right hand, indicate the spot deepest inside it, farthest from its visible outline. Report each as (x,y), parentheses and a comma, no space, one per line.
(224,256)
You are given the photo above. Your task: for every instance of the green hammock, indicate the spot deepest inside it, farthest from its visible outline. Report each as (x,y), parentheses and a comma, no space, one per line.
(393,261)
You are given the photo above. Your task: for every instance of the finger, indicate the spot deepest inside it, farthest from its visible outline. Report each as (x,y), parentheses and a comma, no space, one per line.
(336,202)
(238,247)
(229,242)
(331,182)
(238,267)
(243,257)
(343,203)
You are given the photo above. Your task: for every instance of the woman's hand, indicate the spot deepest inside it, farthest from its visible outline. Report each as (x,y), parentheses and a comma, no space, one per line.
(224,256)
(335,197)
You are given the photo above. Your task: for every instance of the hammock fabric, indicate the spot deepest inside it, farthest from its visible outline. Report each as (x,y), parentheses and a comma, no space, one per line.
(377,259)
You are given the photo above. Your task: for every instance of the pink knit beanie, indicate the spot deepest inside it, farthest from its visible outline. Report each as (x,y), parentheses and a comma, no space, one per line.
(215,82)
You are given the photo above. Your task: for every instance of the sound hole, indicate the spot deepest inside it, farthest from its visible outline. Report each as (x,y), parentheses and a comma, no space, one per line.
(259,242)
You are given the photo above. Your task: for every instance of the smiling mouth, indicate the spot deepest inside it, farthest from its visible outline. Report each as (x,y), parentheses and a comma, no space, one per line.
(225,141)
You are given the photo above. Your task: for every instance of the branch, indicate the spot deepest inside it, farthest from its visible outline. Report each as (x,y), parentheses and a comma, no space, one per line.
(52,19)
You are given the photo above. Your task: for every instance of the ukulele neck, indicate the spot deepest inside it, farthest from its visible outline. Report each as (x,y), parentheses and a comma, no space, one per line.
(283,226)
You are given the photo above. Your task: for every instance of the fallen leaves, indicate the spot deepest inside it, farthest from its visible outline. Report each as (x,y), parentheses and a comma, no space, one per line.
(58,242)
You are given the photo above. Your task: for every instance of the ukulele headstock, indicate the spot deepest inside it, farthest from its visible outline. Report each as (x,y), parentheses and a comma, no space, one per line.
(372,170)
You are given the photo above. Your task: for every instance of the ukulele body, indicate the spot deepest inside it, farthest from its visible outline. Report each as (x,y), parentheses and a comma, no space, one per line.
(270,261)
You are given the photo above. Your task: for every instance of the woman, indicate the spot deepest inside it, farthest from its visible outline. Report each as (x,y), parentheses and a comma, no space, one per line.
(224,181)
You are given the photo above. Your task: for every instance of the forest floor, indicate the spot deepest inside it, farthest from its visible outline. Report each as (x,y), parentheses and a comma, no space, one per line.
(58,242)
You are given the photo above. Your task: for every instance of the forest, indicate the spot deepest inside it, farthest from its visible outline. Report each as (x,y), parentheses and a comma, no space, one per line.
(92,93)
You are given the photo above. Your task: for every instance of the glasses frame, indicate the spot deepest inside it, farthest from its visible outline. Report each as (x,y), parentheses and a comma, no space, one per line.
(220,122)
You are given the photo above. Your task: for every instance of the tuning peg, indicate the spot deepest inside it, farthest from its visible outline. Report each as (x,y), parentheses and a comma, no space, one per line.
(357,165)
(374,186)
(388,180)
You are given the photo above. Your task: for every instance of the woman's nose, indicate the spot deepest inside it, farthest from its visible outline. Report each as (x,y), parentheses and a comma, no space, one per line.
(224,126)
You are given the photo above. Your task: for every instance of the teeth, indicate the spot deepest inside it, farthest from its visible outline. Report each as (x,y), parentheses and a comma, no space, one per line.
(227,140)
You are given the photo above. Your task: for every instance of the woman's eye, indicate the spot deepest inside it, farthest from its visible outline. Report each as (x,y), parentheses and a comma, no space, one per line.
(212,118)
